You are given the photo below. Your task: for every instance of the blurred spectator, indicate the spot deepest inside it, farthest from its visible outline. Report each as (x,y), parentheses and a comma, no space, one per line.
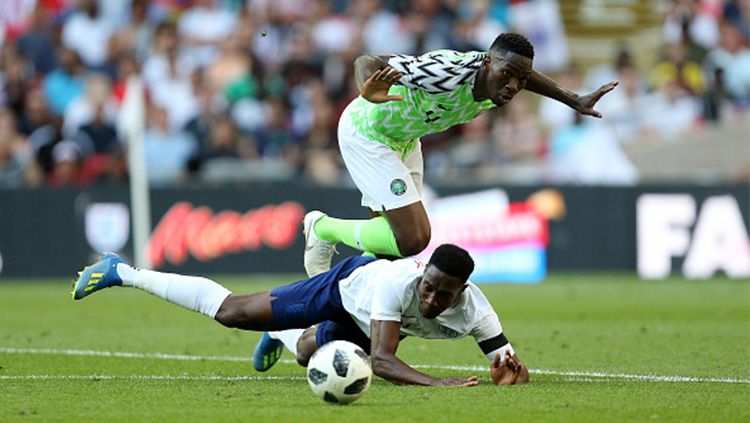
(221,144)
(99,135)
(432,25)
(675,67)
(43,139)
(16,156)
(477,28)
(65,83)
(164,58)
(275,141)
(35,112)
(87,32)
(82,110)
(115,170)
(322,167)
(258,86)
(375,20)
(166,150)
(473,148)
(738,12)
(230,71)
(203,27)
(517,135)
(625,109)
(67,167)
(554,114)
(39,43)
(588,152)
(733,58)
(16,76)
(135,37)
(717,99)
(691,21)
(331,33)
(602,74)
(670,112)
(168,78)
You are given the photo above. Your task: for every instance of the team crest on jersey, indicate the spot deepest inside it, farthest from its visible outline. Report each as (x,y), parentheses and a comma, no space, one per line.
(398,186)
(448,332)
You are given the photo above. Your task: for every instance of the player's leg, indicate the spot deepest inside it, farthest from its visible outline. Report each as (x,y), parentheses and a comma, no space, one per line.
(306,346)
(301,305)
(194,293)
(297,305)
(389,184)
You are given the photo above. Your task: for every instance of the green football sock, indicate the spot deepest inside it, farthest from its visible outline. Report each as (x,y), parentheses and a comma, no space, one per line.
(371,235)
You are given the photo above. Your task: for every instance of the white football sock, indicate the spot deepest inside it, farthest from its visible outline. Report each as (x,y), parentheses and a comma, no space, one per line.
(192,292)
(289,337)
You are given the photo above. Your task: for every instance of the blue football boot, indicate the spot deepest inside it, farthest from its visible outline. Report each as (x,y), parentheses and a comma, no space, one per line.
(267,353)
(99,275)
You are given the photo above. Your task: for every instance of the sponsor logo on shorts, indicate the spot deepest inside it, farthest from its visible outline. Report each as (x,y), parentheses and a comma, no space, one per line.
(398,186)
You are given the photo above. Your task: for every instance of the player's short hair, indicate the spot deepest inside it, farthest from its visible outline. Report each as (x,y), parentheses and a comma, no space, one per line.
(515,43)
(453,261)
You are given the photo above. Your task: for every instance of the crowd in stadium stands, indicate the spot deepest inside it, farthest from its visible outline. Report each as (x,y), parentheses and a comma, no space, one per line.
(248,90)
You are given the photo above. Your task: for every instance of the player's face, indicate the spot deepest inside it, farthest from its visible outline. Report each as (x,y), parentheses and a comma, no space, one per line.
(506,75)
(438,292)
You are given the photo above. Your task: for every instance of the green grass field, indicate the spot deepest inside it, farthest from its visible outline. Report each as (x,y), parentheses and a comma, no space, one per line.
(601,348)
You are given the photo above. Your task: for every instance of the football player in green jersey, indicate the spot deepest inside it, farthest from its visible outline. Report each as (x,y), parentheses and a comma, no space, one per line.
(403,98)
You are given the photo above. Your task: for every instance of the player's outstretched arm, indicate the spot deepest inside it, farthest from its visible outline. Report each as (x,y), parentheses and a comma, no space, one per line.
(510,372)
(543,85)
(385,338)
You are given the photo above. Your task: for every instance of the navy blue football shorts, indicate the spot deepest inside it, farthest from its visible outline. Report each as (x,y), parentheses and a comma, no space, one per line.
(317,301)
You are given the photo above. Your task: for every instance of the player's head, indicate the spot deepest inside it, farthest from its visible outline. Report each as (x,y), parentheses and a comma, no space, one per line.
(507,66)
(444,279)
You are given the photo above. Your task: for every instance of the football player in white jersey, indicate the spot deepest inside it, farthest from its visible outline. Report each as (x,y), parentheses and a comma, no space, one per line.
(403,98)
(372,303)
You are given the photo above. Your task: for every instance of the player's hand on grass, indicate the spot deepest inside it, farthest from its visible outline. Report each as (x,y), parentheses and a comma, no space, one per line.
(510,371)
(375,89)
(457,381)
(585,104)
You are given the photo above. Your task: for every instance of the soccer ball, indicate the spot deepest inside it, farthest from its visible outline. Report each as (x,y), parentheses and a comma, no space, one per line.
(339,372)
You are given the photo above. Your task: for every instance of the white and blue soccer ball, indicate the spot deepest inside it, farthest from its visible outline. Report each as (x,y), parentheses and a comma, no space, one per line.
(339,372)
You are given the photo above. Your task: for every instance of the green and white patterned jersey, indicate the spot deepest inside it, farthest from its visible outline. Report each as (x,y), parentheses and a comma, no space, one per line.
(436,88)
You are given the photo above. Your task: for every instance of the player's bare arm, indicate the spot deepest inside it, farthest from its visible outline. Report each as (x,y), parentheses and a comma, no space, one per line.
(543,85)
(385,337)
(509,371)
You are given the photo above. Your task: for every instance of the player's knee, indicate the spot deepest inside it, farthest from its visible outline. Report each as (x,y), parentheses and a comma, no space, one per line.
(306,346)
(413,243)
(303,359)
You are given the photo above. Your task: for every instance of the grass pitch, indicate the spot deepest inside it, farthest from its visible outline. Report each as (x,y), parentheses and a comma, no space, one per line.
(600,348)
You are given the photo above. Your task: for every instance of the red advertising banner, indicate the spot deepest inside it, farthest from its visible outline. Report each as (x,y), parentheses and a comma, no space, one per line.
(198,231)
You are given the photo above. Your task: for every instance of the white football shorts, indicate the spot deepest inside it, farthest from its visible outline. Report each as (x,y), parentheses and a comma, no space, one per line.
(385,181)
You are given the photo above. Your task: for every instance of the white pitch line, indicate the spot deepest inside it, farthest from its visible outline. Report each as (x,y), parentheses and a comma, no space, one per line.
(601,375)
(183,357)
(147,377)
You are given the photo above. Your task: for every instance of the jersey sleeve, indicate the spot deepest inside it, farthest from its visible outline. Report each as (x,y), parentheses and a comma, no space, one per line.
(436,72)
(487,327)
(386,303)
